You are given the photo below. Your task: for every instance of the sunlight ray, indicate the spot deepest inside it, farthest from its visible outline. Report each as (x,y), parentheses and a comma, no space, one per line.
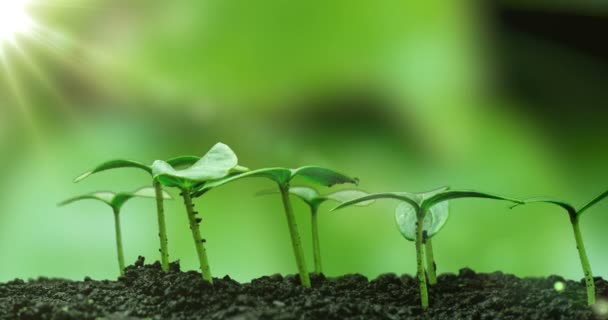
(45,81)
(19,98)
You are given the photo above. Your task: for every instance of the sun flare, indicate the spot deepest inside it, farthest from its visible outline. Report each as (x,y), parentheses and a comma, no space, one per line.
(13,18)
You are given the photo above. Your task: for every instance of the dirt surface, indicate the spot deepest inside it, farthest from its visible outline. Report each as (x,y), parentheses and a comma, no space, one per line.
(145,292)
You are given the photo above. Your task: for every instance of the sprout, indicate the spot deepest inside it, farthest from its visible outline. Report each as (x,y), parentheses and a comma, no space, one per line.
(116,201)
(419,218)
(313,199)
(282,177)
(574,216)
(217,163)
(160,212)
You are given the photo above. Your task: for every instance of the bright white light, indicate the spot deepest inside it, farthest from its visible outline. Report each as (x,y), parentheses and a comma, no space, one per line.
(13,18)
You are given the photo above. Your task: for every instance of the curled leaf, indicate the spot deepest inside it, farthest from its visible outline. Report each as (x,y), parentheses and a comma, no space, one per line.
(215,164)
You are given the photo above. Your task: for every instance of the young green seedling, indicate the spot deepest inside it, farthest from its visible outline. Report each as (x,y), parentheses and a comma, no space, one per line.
(116,201)
(220,161)
(314,200)
(282,177)
(160,212)
(575,216)
(419,218)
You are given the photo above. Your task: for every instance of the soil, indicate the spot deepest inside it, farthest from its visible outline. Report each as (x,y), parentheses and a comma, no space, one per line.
(145,292)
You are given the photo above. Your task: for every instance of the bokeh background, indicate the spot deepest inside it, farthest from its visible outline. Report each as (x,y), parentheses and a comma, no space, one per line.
(503,96)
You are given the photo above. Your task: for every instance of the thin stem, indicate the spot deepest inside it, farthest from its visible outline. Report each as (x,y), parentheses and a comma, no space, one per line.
(119,251)
(584,261)
(199,243)
(162,228)
(316,247)
(424,295)
(431,266)
(295,237)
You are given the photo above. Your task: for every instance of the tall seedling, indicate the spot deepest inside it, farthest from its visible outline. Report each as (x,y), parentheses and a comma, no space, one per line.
(575,215)
(282,177)
(419,218)
(116,201)
(219,162)
(160,212)
(314,200)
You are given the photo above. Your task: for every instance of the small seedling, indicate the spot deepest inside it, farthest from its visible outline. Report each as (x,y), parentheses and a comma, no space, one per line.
(160,211)
(314,200)
(220,161)
(282,177)
(419,218)
(575,216)
(116,201)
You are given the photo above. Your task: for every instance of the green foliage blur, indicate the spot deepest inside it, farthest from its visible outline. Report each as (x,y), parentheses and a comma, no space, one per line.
(404,95)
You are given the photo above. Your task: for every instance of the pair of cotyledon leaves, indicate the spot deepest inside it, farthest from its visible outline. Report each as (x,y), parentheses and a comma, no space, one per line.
(217,167)
(218,162)
(572,211)
(405,213)
(117,200)
(433,203)
(220,166)
(314,199)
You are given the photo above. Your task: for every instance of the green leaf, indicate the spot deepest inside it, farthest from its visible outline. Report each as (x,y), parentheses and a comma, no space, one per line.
(411,198)
(348,195)
(215,164)
(593,201)
(564,205)
(278,175)
(282,176)
(426,195)
(307,194)
(323,176)
(456,194)
(114,164)
(116,200)
(434,220)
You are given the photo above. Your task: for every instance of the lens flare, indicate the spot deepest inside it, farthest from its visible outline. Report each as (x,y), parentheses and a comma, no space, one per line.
(13,19)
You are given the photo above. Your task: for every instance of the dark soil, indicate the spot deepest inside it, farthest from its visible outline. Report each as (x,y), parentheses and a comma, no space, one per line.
(145,292)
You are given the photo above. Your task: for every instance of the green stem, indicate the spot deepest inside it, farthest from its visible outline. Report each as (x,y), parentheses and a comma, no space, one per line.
(316,247)
(424,295)
(431,267)
(119,251)
(584,261)
(162,227)
(295,236)
(199,243)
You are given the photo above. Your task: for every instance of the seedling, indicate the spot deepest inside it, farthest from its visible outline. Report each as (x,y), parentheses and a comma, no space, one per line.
(314,200)
(218,162)
(282,177)
(116,201)
(420,217)
(575,216)
(160,211)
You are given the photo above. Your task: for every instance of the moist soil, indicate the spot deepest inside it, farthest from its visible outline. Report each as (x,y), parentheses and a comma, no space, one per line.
(145,292)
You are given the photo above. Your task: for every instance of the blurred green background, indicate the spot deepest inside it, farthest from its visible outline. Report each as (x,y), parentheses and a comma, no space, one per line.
(505,96)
